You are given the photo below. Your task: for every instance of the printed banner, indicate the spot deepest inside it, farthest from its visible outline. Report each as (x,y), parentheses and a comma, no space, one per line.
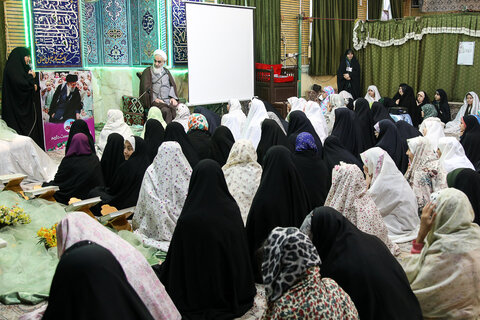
(62,103)
(56,28)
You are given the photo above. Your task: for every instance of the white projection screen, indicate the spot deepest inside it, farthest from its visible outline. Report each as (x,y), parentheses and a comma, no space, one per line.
(220,53)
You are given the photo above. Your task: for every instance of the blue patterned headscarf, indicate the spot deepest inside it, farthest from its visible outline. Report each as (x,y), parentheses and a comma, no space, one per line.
(304,142)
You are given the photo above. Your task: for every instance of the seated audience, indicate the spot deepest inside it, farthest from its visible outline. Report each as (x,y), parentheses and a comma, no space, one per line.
(112,157)
(115,124)
(444,269)
(78,173)
(235,118)
(207,272)
(362,265)
(242,174)
(162,195)
(349,196)
(467,181)
(220,144)
(281,199)
(452,155)
(199,135)
(425,175)
(312,169)
(294,286)
(392,194)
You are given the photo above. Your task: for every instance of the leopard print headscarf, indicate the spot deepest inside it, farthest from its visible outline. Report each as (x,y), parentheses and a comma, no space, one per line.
(288,253)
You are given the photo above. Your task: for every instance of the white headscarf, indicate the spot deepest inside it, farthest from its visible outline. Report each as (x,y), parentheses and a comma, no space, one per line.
(377,95)
(392,194)
(453,155)
(253,125)
(434,127)
(348,195)
(445,275)
(346,96)
(425,174)
(453,126)
(115,123)
(182,115)
(292,101)
(242,174)
(316,117)
(131,139)
(160,53)
(235,118)
(162,195)
(336,101)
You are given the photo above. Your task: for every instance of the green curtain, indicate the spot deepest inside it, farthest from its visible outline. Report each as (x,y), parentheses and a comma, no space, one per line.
(267,29)
(330,39)
(3,43)
(397,8)
(427,64)
(374,9)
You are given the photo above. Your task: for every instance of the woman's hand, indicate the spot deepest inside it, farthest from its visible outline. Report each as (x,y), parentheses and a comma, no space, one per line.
(426,221)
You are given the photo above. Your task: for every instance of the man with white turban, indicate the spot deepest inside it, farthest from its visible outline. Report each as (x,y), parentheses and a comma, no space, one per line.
(159,87)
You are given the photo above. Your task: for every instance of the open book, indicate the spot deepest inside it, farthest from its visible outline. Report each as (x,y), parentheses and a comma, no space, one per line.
(124,212)
(37,192)
(7,177)
(84,203)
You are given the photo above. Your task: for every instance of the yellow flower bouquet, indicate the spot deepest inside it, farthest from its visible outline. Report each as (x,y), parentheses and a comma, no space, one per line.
(13,215)
(48,236)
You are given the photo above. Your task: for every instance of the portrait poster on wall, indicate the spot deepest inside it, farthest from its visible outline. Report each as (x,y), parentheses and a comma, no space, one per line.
(63,103)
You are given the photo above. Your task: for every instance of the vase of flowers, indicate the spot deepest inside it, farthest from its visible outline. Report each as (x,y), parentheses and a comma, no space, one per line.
(13,215)
(48,236)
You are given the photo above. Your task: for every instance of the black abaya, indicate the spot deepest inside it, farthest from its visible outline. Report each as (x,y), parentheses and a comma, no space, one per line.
(176,132)
(112,157)
(352,85)
(467,181)
(389,139)
(79,126)
(345,129)
(298,123)
(408,101)
(89,283)
(281,199)
(314,173)
(365,123)
(207,271)
(364,267)
(201,142)
(221,144)
(406,130)
(334,152)
(272,135)
(20,108)
(76,177)
(442,106)
(126,186)
(213,119)
(154,134)
(380,112)
(470,140)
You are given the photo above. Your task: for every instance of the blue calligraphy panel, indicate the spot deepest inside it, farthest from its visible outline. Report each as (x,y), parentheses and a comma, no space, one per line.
(179,34)
(56,33)
(148,30)
(90,35)
(115,32)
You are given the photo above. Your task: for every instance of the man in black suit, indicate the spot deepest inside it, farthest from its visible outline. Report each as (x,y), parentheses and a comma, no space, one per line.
(66,102)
